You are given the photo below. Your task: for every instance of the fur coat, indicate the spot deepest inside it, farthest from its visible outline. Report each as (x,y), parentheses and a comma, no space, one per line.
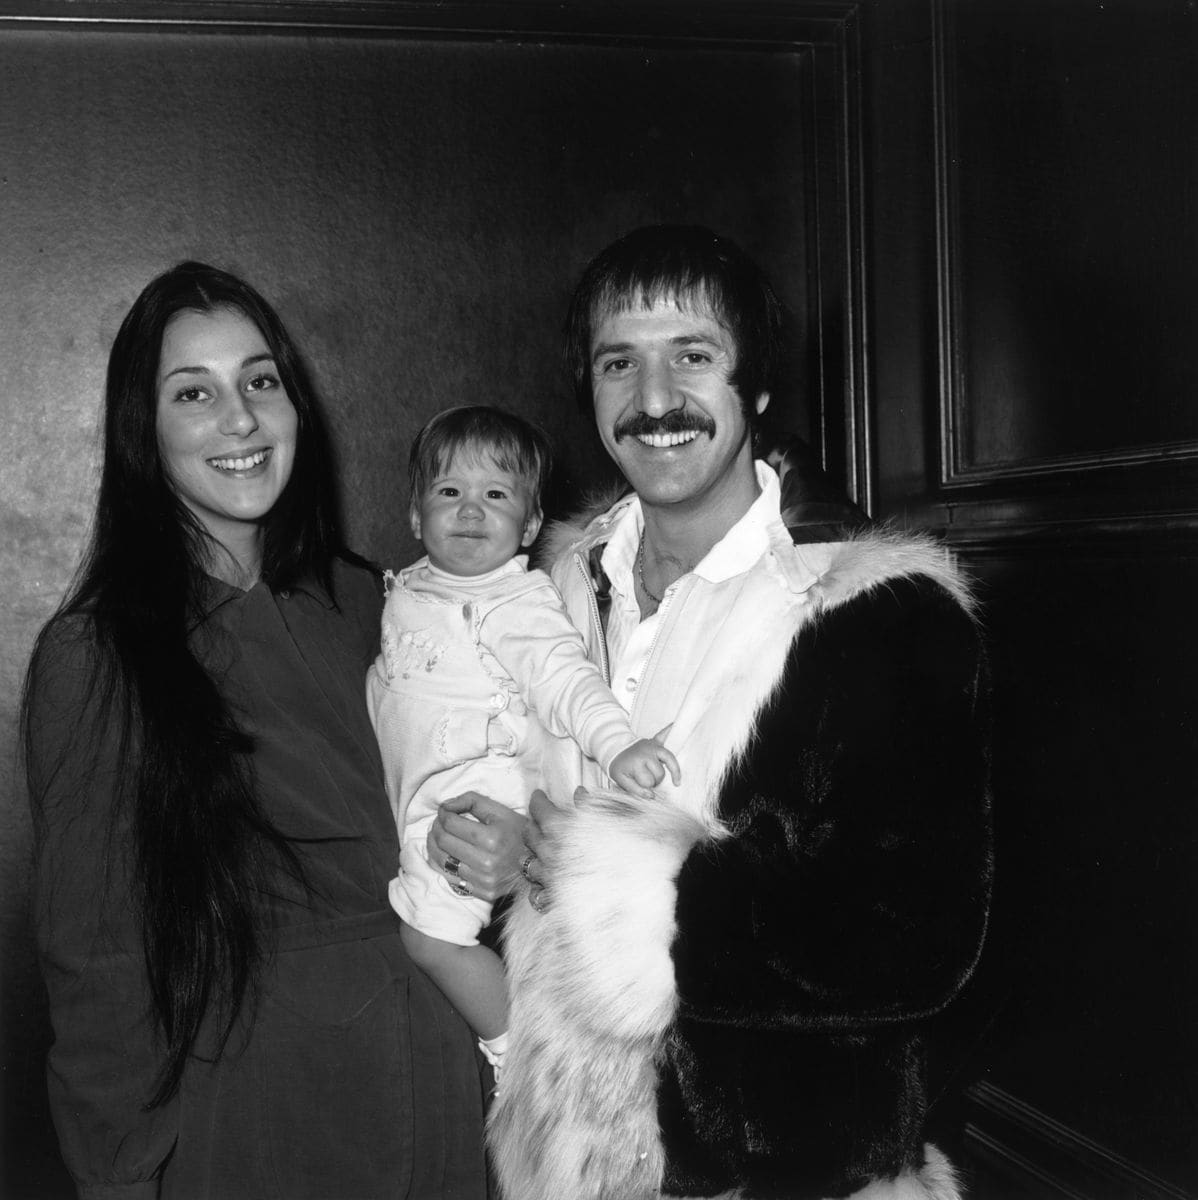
(727,997)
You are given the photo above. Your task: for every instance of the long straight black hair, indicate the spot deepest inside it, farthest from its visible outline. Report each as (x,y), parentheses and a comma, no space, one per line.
(201,845)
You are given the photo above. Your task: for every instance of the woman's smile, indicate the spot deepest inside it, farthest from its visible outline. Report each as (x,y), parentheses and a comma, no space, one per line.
(244,464)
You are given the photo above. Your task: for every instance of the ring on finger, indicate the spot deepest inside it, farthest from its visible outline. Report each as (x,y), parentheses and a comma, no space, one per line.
(538,897)
(450,864)
(460,888)
(527,862)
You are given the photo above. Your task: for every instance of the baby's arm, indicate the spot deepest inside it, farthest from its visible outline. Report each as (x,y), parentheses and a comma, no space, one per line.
(471,976)
(532,640)
(642,766)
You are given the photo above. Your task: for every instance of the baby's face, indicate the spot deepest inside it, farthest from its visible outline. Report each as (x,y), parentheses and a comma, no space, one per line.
(473,516)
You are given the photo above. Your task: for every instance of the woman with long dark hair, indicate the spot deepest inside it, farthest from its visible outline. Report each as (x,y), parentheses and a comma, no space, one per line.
(234,1013)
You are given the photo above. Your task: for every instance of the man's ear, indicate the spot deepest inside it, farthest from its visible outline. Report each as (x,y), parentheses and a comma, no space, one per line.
(532,526)
(762,402)
(414,520)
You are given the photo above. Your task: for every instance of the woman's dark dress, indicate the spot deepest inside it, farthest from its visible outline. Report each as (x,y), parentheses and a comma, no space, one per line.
(353,1077)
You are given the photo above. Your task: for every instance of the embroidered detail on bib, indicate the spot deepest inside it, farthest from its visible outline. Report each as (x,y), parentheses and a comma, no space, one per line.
(411,652)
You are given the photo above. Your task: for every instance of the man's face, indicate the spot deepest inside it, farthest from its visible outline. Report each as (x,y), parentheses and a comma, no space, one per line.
(665,406)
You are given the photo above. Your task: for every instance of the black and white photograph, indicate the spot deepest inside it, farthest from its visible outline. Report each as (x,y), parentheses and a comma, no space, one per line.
(598,599)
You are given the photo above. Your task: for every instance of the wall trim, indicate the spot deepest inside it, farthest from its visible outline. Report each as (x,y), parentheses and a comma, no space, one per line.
(1136,456)
(859,404)
(1141,536)
(948,285)
(769,23)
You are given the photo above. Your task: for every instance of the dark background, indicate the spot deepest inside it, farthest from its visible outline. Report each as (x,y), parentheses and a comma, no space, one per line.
(981,215)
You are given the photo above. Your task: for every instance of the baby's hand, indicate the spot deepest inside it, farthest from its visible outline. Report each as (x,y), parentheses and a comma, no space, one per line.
(641,767)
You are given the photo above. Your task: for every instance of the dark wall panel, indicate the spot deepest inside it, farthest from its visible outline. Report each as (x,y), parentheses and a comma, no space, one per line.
(1037,404)
(1077,145)
(1091,962)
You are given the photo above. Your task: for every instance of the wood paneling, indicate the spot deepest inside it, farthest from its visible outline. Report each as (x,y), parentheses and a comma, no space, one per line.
(1090,970)
(1068,159)
(1062,462)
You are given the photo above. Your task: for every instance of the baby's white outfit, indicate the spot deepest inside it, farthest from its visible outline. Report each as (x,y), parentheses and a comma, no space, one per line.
(478,682)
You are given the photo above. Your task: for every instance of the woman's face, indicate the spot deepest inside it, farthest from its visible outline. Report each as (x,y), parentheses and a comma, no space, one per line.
(226,426)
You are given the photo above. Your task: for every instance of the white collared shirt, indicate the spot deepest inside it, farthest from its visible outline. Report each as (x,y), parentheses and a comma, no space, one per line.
(629,639)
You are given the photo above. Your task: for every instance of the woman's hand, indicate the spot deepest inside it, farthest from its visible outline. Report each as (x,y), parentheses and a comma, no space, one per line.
(482,841)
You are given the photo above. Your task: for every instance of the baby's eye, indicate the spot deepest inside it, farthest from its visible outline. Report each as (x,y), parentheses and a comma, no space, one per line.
(261,383)
(496,494)
(447,489)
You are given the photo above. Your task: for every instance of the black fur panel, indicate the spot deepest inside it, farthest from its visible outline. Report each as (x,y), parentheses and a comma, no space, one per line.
(848,906)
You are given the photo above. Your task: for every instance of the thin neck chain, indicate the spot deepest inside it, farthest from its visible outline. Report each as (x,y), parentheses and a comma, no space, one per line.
(640,569)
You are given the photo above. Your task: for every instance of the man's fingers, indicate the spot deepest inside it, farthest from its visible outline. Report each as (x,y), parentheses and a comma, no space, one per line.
(531,869)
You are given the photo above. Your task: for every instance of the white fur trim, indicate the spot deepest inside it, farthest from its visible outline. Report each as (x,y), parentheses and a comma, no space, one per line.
(876,557)
(935,1180)
(592,987)
(592,981)
(563,537)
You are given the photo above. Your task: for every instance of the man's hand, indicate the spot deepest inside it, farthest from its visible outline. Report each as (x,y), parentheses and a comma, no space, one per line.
(543,816)
(479,841)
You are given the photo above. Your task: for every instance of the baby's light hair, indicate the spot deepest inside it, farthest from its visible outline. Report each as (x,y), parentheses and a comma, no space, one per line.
(512,443)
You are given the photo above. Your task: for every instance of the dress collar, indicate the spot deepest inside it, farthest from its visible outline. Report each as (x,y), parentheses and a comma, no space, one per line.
(214,593)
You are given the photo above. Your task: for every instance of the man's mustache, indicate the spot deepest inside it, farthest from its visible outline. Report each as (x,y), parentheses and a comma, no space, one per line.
(677,421)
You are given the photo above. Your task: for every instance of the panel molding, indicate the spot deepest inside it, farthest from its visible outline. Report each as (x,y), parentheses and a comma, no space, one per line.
(1036,1151)
(1128,537)
(956,475)
(1004,526)
(776,24)
(948,282)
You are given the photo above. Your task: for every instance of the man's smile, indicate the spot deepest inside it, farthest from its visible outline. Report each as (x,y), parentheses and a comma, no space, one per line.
(660,433)
(662,441)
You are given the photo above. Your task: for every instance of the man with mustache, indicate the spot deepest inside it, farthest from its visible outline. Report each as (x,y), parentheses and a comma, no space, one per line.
(726,991)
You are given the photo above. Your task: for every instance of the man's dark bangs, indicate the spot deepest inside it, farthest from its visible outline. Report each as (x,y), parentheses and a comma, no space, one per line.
(678,283)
